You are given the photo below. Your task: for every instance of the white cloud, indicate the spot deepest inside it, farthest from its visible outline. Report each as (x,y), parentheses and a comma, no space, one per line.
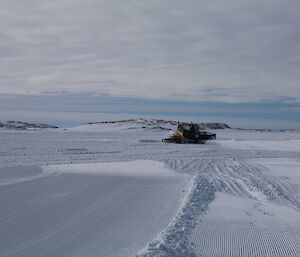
(229,51)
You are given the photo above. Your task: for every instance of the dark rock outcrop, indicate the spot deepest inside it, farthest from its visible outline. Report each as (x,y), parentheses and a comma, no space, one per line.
(19,125)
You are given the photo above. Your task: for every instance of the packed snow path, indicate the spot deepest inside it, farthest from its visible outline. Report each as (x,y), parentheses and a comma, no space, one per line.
(110,209)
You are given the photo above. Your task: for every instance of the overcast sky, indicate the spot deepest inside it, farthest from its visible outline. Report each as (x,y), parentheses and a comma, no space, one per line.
(227,51)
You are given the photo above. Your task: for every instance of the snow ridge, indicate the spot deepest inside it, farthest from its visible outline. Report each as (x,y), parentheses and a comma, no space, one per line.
(174,241)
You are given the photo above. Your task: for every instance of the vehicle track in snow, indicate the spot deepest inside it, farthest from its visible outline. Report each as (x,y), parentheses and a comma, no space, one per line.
(240,178)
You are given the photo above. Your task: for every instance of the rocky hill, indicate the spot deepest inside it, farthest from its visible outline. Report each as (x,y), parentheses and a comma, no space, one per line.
(19,125)
(158,124)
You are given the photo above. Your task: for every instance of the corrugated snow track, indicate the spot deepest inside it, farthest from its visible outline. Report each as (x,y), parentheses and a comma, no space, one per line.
(237,226)
(220,238)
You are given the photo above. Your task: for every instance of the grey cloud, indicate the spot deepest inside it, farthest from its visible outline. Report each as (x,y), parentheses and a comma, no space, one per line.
(244,51)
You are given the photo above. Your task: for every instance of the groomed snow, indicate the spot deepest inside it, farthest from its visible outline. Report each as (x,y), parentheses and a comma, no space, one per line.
(239,226)
(105,209)
(283,168)
(137,168)
(276,145)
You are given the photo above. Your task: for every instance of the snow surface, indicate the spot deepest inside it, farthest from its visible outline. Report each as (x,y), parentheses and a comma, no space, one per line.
(235,226)
(280,145)
(243,199)
(105,209)
(137,168)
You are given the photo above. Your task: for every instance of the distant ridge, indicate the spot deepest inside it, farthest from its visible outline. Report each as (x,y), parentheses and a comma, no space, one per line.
(20,125)
(160,124)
